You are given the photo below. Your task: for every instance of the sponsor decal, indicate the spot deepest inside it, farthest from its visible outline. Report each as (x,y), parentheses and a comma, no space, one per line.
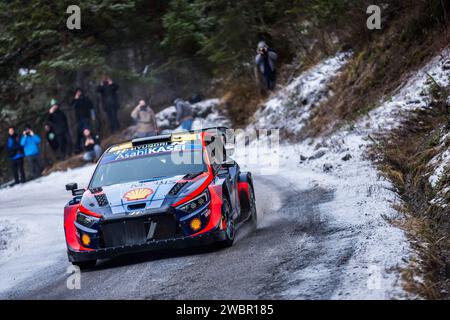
(124,152)
(153,183)
(122,146)
(138,194)
(185,137)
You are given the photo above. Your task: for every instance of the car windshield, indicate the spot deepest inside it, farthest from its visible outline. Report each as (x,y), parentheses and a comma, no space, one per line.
(146,168)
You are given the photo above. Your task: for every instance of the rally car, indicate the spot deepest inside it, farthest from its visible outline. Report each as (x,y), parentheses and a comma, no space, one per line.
(162,192)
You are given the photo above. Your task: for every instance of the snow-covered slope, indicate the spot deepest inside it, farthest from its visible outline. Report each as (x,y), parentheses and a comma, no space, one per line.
(35,239)
(412,95)
(291,108)
(362,197)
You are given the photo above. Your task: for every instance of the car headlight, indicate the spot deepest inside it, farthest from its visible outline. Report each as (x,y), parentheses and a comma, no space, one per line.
(85,220)
(196,203)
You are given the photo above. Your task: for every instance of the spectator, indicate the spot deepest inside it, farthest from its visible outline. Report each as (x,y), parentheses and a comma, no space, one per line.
(15,153)
(184,114)
(49,151)
(265,61)
(108,91)
(146,120)
(84,112)
(60,126)
(51,137)
(30,143)
(91,146)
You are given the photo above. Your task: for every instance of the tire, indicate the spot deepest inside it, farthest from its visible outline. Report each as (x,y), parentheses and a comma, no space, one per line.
(230,231)
(85,265)
(252,207)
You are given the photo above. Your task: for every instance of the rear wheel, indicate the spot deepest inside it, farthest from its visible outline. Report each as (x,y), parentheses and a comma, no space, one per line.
(252,207)
(228,223)
(84,265)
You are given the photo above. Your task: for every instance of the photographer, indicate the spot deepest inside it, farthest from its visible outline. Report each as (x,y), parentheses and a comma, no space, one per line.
(146,120)
(108,91)
(58,121)
(265,62)
(84,112)
(30,143)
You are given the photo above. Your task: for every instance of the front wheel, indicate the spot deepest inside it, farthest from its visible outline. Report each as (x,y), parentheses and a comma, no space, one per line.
(228,224)
(84,265)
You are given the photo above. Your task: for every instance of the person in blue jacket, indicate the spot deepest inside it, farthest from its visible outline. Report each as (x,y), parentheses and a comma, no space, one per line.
(15,154)
(30,143)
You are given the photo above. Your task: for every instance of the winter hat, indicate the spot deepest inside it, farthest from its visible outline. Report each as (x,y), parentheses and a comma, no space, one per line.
(262,44)
(53,102)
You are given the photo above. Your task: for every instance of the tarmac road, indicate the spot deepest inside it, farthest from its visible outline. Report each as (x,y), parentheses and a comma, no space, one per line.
(292,254)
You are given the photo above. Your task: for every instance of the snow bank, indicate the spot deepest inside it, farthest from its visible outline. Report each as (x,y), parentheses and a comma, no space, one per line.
(33,214)
(411,96)
(356,212)
(207,113)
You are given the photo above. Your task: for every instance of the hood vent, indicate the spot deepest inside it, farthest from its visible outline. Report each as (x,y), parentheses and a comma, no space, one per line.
(102,199)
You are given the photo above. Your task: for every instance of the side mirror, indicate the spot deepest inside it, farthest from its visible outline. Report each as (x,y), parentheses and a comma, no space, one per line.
(71,186)
(229,163)
(74,188)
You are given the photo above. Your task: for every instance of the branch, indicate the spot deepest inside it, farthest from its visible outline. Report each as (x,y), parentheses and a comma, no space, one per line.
(14,55)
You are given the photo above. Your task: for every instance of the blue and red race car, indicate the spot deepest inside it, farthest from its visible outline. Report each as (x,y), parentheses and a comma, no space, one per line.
(168,191)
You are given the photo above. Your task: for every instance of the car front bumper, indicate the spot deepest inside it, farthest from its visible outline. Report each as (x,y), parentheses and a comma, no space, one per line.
(176,243)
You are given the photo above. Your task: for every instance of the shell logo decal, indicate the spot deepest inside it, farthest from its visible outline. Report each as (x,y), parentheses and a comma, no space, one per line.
(138,194)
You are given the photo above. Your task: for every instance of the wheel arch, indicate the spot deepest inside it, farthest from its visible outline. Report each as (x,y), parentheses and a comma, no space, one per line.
(244,182)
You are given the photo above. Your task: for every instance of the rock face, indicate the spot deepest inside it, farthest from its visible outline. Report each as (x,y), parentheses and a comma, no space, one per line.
(317,155)
(347,157)
(446,65)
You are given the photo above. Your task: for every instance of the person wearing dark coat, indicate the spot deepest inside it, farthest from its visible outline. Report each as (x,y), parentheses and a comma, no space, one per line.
(84,112)
(265,62)
(16,155)
(108,91)
(58,121)
(50,151)
(184,116)
(51,137)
